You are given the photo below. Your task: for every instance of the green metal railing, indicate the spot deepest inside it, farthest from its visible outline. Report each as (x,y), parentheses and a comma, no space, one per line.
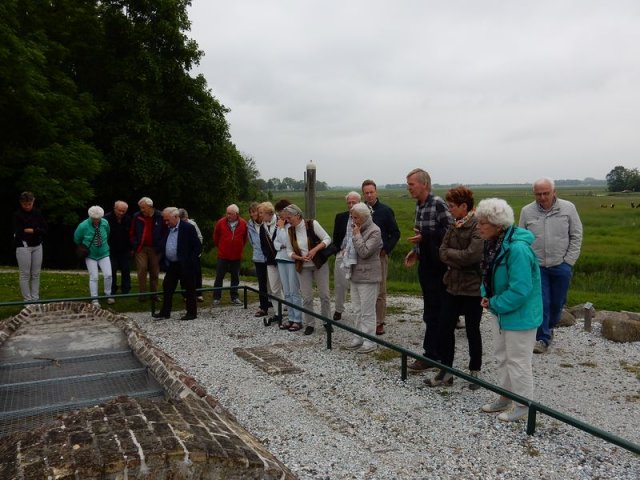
(534,407)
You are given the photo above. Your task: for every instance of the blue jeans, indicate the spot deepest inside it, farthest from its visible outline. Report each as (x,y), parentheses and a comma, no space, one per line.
(555,284)
(291,287)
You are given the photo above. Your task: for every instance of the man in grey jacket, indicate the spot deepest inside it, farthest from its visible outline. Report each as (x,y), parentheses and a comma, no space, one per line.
(558,230)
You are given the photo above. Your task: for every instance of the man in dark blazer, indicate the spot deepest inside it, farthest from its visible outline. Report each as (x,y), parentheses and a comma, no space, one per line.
(180,255)
(340,282)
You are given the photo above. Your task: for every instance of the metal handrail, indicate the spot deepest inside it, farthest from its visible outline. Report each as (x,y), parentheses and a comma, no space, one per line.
(534,407)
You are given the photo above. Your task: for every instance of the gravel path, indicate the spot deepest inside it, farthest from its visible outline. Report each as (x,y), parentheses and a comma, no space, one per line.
(350,416)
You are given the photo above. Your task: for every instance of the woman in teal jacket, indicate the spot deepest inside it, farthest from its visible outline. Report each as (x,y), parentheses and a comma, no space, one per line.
(511,291)
(93,234)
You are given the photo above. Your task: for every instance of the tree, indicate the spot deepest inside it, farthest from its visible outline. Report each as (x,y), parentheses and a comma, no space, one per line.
(621,178)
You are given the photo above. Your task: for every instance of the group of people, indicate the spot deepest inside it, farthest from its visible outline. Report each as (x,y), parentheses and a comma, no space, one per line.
(468,257)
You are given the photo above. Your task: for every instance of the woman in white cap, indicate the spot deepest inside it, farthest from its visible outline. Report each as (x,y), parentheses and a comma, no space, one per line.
(91,238)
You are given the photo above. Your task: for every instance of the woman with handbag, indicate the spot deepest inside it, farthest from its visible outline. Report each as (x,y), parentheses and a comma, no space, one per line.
(91,238)
(306,238)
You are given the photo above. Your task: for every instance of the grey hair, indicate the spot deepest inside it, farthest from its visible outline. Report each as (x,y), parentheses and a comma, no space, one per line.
(421,175)
(95,212)
(183,214)
(120,202)
(173,211)
(544,180)
(234,208)
(145,201)
(496,211)
(27,197)
(362,210)
(352,194)
(293,209)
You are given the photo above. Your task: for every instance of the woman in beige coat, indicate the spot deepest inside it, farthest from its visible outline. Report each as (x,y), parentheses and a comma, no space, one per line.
(362,259)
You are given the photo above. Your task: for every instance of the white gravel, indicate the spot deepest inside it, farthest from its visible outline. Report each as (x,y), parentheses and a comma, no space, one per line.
(350,416)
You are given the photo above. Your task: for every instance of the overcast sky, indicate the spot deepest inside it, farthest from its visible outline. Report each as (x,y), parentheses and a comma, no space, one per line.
(473,91)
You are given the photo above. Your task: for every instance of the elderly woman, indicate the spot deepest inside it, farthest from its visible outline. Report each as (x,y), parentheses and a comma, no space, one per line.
(511,291)
(461,252)
(29,227)
(92,234)
(268,233)
(287,267)
(305,239)
(361,260)
(259,260)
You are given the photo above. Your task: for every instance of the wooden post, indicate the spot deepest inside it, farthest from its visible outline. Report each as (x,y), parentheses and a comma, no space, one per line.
(588,314)
(310,190)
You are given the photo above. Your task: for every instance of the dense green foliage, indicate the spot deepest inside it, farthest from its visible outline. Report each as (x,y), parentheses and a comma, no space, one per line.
(97,104)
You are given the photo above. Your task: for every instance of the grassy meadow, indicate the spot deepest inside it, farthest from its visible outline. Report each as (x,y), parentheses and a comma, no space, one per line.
(607,273)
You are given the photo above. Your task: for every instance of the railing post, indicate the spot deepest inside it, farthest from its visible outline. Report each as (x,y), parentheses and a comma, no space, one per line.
(531,421)
(403,366)
(588,314)
(329,329)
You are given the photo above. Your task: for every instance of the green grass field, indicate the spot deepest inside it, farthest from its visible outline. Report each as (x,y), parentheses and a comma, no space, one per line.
(607,274)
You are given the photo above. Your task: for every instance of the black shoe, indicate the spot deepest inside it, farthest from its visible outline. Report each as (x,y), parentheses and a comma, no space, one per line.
(308,330)
(161,316)
(188,317)
(337,316)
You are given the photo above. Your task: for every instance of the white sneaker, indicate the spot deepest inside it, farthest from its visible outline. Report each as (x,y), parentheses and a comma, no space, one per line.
(498,405)
(355,344)
(516,413)
(216,302)
(96,304)
(111,301)
(237,301)
(367,348)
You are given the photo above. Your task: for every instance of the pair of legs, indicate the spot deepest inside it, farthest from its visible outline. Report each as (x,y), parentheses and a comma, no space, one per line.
(92,266)
(340,284)
(363,301)
(147,262)
(433,291)
(121,262)
(321,277)
(452,307)
(263,285)
(29,264)
(275,284)
(223,267)
(514,353)
(176,273)
(381,300)
(555,285)
(291,287)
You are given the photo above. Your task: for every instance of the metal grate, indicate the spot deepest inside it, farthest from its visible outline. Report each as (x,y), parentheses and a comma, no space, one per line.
(34,392)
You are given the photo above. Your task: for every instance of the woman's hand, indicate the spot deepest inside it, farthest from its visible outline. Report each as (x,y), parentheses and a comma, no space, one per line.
(356,229)
(484,303)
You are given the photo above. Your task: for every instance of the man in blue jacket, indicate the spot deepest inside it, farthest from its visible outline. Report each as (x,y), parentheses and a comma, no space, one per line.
(181,249)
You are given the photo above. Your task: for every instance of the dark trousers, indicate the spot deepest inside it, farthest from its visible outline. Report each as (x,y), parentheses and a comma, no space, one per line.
(122,262)
(555,283)
(174,275)
(452,307)
(222,268)
(198,279)
(263,280)
(433,291)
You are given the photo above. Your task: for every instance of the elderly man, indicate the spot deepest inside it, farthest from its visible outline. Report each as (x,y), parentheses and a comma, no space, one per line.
(431,224)
(230,235)
(147,229)
(558,230)
(385,219)
(181,249)
(342,233)
(119,247)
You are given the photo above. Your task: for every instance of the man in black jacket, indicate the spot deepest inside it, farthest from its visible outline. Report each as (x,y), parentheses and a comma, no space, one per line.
(119,247)
(180,254)
(341,232)
(384,218)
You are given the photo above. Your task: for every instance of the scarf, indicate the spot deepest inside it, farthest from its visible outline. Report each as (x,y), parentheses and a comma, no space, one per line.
(97,237)
(491,249)
(349,254)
